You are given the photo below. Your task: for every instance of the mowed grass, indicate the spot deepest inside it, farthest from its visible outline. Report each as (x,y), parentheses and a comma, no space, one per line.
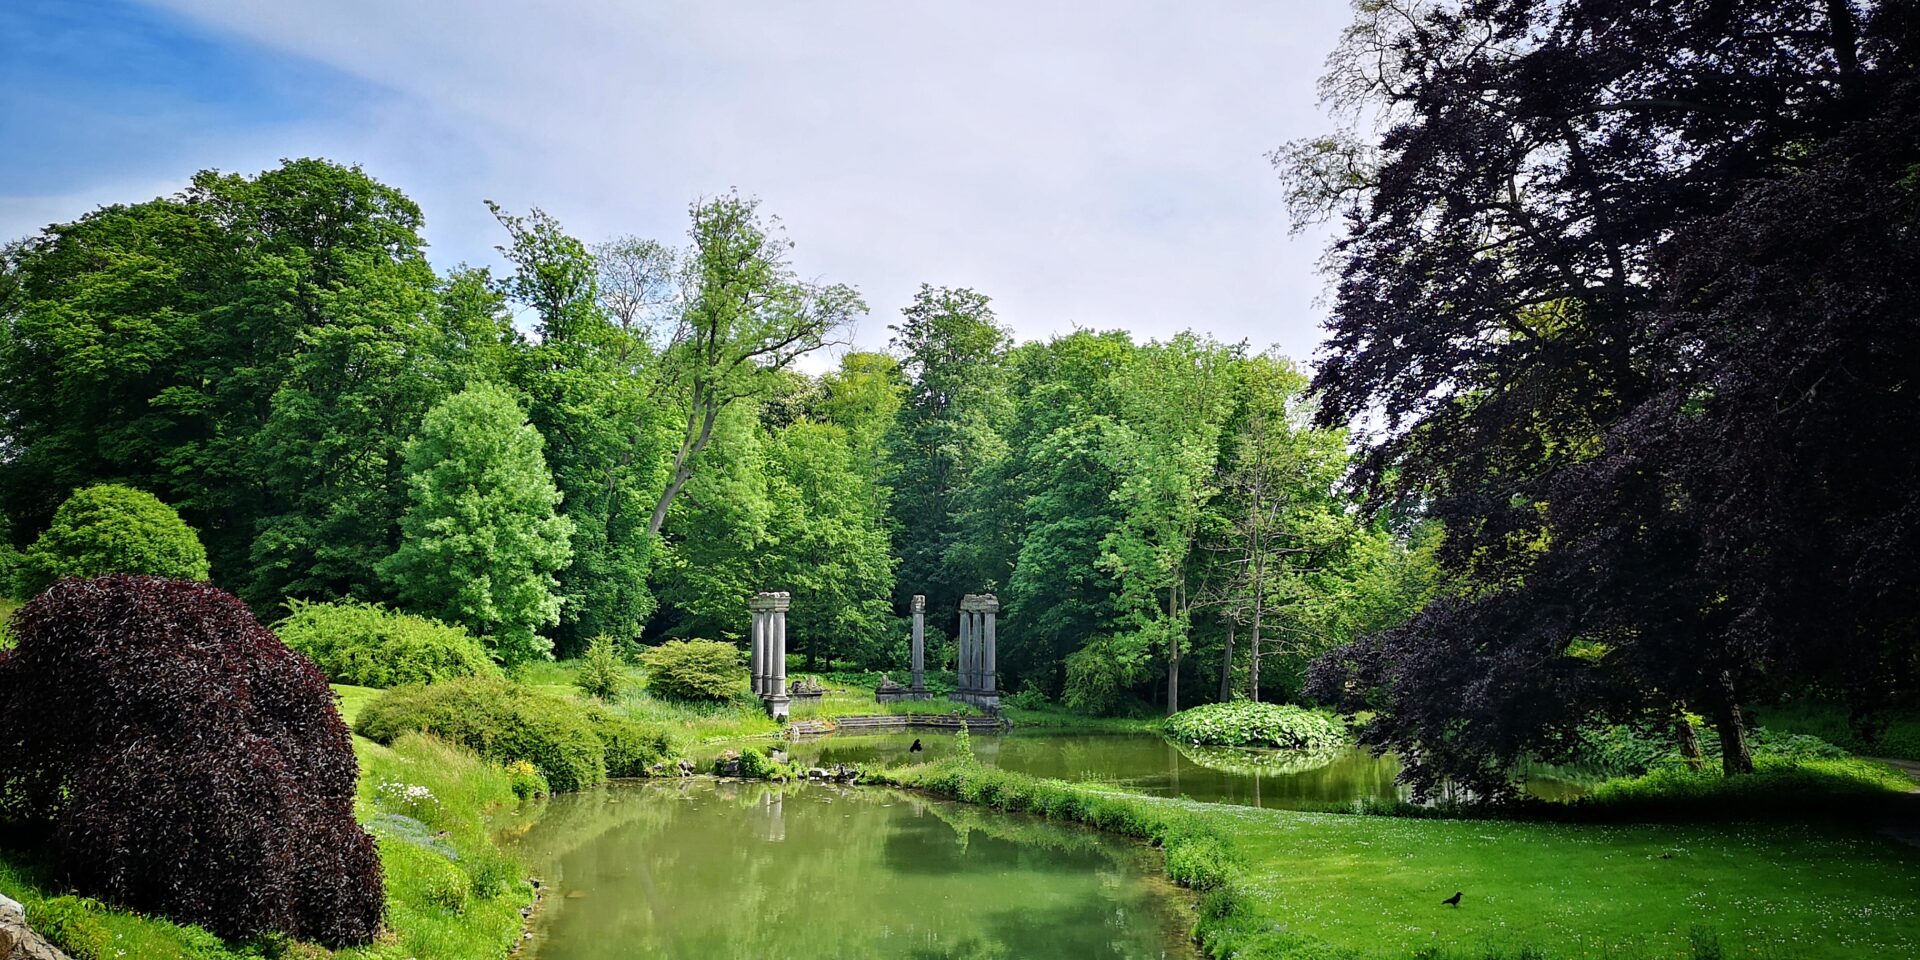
(1373,886)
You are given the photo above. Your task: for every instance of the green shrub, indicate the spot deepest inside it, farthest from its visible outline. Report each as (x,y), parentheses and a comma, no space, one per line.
(367,645)
(448,889)
(630,746)
(498,719)
(69,923)
(1031,697)
(526,780)
(699,670)
(109,528)
(603,672)
(750,763)
(1243,723)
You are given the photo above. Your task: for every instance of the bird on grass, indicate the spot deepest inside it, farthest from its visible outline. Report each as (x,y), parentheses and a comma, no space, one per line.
(1452,901)
(916,746)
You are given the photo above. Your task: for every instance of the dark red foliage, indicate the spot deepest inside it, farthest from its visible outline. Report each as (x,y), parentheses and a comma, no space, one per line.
(187,762)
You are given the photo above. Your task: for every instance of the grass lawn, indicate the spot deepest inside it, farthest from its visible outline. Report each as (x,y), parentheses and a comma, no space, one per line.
(1373,885)
(1313,886)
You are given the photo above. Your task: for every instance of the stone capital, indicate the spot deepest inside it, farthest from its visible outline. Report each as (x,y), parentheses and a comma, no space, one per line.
(769,600)
(980,602)
(919,603)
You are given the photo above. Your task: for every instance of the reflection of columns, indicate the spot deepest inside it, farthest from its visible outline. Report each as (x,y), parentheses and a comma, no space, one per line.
(770,649)
(919,642)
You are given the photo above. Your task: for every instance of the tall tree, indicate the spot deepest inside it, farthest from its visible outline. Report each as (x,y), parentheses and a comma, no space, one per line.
(950,348)
(481,536)
(744,317)
(587,381)
(1504,312)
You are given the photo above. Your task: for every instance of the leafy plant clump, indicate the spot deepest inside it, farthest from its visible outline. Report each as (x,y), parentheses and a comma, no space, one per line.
(109,528)
(1243,723)
(603,671)
(694,670)
(367,645)
(163,741)
(573,745)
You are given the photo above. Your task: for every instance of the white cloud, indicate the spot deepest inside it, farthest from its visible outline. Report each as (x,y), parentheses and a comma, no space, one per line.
(1093,163)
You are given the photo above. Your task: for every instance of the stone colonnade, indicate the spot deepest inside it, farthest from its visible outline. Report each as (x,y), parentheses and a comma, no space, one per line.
(978,651)
(769,659)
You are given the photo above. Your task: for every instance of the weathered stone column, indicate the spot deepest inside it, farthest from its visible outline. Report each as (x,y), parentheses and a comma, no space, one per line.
(753,649)
(779,683)
(770,643)
(919,644)
(989,610)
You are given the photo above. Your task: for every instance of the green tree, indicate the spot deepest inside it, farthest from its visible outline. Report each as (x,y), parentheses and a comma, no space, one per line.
(587,383)
(744,317)
(109,528)
(829,548)
(481,539)
(950,348)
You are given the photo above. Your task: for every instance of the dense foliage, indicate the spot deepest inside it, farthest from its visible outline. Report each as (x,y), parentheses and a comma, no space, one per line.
(368,645)
(1244,723)
(274,355)
(110,528)
(166,739)
(573,745)
(480,540)
(1635,330)
(694,670)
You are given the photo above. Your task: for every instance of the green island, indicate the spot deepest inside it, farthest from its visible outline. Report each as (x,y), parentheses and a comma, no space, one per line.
(616,570)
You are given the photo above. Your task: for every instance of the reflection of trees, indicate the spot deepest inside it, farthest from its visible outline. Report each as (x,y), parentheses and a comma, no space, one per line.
(710,869)
(1251,762)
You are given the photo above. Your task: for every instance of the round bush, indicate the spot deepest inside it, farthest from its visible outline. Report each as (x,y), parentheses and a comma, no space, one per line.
(182,761)
(367,645)
(112,529)
(1243,723)
(500,720)
(631,747)
(696,670)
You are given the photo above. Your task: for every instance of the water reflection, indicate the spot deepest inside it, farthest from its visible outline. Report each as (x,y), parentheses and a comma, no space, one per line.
(709,869)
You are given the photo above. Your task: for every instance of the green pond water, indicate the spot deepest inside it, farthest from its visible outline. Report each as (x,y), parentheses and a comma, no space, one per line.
(1151,764)
(712,869)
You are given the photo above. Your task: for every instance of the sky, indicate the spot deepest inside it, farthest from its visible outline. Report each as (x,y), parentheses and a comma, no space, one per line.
(1094,164)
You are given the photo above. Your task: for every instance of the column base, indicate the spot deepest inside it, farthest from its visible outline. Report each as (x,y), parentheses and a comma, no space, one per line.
(988,700)
(778,706)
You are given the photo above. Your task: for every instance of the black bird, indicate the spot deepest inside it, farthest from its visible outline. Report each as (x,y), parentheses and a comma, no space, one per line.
(916,746)
(1452,901)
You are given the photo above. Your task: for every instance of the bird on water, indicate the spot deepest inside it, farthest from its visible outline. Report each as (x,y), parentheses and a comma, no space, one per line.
(916,746)
(1454,900)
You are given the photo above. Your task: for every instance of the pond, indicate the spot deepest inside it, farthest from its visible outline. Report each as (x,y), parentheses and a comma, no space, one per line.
(1151,764)
(706,868)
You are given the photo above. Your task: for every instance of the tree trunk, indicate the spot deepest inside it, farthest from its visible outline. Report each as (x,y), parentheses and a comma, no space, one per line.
(1687,740)
(1173,655)
(1735,756)
(1253,666)
(1226,666)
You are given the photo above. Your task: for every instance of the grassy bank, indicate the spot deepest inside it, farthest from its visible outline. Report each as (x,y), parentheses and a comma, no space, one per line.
(451,893)
(1282,884)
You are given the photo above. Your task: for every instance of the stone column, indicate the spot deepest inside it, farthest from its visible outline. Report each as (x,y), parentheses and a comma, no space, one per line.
(989,611)
(919,643)
(770,649)
(754,669)
(779,683)
(963,666)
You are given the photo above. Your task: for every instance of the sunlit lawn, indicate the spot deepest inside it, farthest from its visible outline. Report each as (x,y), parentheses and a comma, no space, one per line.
(1375,885)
